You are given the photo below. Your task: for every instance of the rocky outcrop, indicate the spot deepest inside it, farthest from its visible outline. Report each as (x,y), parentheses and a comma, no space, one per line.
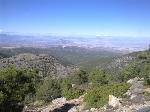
(135,80)
(59,100)
(113,101)
(136,91)
(75,105)
(137,88)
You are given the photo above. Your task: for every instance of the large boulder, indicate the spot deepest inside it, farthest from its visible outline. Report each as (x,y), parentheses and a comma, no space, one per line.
(113,101)
(137,88)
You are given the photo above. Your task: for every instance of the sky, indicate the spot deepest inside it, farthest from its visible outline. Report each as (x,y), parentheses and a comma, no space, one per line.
(76,17)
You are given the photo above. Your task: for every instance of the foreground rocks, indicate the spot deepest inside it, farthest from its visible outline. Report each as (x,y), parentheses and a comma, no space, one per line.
(113,101)
(137,100)
(75,105)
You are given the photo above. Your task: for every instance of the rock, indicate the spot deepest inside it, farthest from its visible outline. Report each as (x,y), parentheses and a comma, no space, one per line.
(25,108)
(137,99)
(74,109)
(108,107)
(132,96)
(113,101)
(73,85)
(128,93)
(93,109)
(137,88)
(139,91)
(146,98)
(142,79)
(135,80)
(37,103)
(59,100)
(130,81)
(147,90)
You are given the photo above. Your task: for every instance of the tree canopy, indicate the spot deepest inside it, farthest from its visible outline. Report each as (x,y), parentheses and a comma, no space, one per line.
(14,86)
(97,77)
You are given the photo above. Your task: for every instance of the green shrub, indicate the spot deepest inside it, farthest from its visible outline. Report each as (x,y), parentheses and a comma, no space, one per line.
(70,93)
(142,55)
(131,71)
(146,82)
(14,86)
(98,97)
(49,90)
(78,77)
(97,77)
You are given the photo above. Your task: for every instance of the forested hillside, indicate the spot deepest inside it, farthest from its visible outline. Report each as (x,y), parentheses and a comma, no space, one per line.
(113,64)
(36,80)
(67,55)
(44,63)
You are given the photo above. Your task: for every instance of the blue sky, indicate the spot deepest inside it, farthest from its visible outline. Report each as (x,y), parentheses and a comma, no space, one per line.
(76,17)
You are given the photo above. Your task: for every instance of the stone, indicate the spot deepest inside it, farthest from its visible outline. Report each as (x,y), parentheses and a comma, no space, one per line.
(147,90)
(113,101)
(132,96)
(25,108)
(135,80)
(130,81)
(73,109)
(128,93)
(138,100)
(73,85)
(139,91)
(93,109)
(59,100)
(142,79)
(137,88)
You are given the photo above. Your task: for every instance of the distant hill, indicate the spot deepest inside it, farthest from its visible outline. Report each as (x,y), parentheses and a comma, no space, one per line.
(62,42)
(85,58)
(113,64)
(45,64)
(70,55)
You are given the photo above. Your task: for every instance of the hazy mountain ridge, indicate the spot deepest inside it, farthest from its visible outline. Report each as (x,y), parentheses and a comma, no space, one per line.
(129,44)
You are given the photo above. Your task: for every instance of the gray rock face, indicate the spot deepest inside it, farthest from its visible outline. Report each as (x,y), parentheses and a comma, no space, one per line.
(137,100)
(144,109)
(137,88)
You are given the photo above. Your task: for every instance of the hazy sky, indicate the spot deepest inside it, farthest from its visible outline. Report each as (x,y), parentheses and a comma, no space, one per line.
(79,17)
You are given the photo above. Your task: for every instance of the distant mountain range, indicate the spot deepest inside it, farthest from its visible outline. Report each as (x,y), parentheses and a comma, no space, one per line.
(62,42)
(128,44)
